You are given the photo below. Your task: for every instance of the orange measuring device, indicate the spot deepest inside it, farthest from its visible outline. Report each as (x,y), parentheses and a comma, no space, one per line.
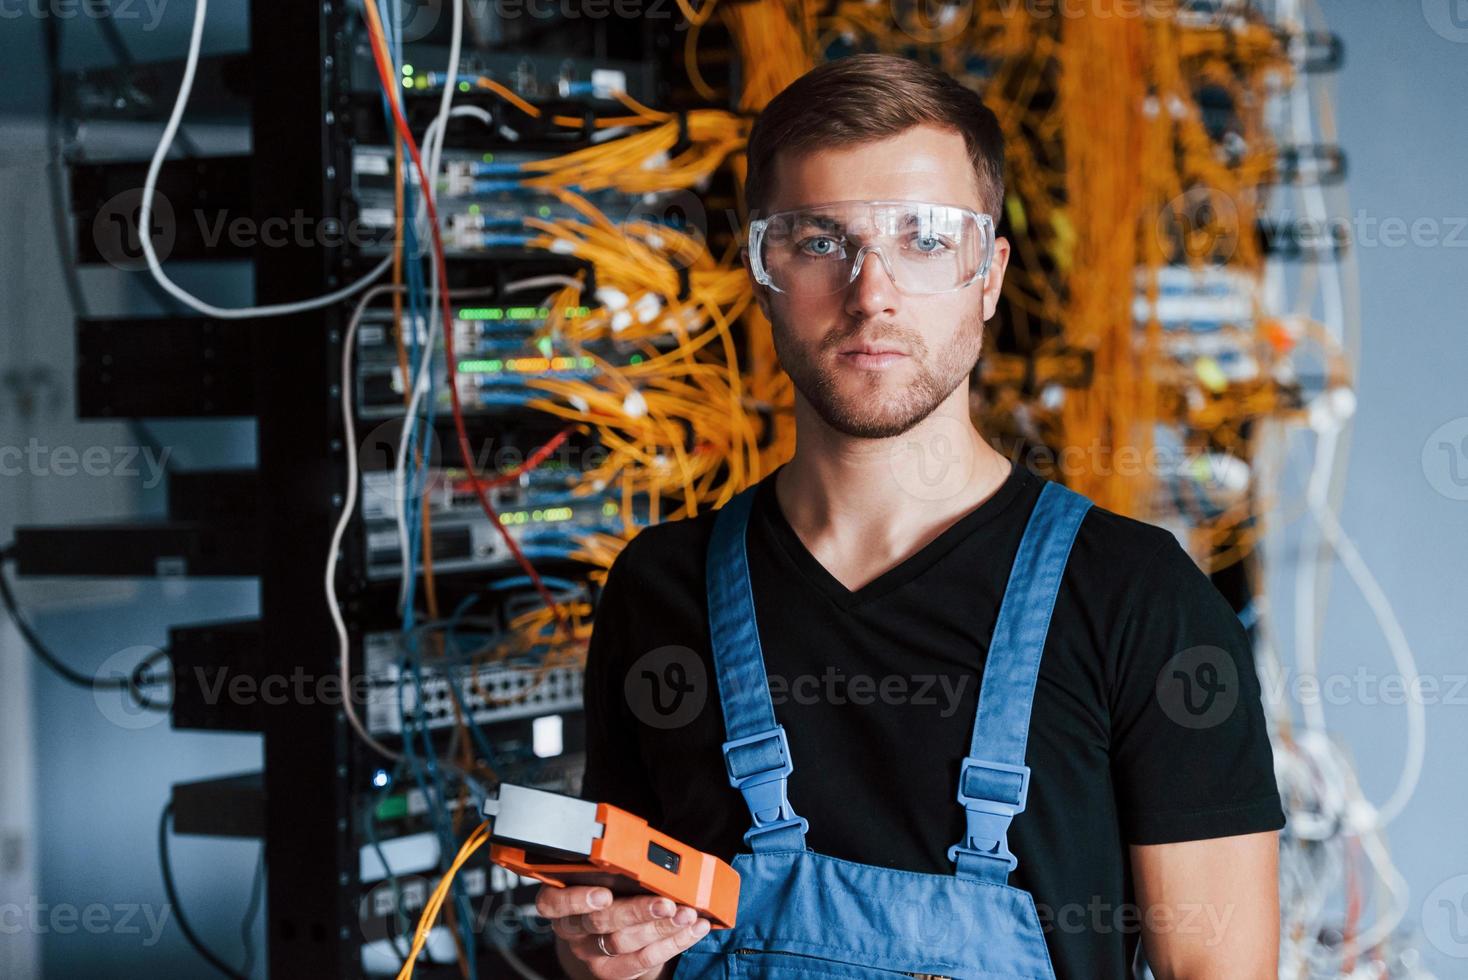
(561,840)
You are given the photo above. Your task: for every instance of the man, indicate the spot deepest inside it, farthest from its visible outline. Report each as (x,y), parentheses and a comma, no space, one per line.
(865,578)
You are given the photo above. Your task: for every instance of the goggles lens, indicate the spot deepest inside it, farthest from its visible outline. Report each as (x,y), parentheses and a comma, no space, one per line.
(926,248)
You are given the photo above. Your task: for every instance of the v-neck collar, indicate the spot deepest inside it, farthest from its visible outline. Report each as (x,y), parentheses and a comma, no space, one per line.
(767,510)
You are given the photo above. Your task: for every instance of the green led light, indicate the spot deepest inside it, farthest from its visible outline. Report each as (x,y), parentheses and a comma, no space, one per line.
(489,158)
(635,359)
(473,209)
(407,69)
(407,83)
(544,211)
(544,346)
(463,86)
(392,808)
(609,509)
(586,362)
(516,312)
(489,365)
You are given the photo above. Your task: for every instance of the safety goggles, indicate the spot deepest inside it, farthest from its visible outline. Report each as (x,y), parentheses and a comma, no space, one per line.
(816,251)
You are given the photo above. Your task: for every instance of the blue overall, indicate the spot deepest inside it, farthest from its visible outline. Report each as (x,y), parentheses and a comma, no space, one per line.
(806,914)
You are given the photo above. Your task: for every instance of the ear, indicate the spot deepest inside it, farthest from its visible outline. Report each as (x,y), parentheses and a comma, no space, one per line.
(994,279)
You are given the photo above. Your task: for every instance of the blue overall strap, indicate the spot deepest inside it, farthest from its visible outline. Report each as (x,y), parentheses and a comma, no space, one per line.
(994,781)
(757,754)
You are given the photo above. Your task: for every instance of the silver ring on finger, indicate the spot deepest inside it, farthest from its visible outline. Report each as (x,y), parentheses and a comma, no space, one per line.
(601,944)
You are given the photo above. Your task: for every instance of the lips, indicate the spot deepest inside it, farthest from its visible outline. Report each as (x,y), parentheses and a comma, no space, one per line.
(874,350)
(872,358)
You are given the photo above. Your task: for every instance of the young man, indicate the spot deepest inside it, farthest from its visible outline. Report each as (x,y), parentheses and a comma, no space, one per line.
(827,634)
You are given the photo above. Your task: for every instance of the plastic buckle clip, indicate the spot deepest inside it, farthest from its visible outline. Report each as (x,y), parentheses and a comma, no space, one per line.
(765,789)
(988,818)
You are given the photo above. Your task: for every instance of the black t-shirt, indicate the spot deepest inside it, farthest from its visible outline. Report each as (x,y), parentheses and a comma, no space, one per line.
(1146,727)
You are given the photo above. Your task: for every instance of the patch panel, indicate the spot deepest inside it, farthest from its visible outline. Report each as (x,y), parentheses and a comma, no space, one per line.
(492,692)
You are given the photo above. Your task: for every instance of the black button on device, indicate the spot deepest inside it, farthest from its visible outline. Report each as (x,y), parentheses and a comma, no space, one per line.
(663,857)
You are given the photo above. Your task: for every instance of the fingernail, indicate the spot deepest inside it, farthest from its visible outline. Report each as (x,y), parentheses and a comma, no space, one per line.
(700,927)
(663,908)
(600,898)
(685,916)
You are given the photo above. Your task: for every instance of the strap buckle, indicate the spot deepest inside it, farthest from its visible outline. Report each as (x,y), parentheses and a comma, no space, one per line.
(989,815)
(765,789)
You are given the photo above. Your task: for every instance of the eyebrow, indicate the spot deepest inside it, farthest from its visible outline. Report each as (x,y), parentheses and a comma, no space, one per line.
(821,222)
(824,223)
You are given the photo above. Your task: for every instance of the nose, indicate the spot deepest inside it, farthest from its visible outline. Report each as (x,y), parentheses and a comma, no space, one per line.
(871,293)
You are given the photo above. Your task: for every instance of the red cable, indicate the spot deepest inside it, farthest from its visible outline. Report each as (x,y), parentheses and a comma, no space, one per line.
(385,75)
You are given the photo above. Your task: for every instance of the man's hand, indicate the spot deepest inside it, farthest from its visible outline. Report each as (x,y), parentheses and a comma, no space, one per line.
(641,933)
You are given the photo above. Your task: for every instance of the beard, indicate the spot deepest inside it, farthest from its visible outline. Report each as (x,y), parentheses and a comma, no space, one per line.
(871,405)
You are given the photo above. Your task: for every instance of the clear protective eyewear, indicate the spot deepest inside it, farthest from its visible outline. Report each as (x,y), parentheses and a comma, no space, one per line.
(816,251)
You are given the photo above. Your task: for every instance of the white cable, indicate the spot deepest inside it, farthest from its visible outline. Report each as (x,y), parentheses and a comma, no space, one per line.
(349,506)
(150,189)
(1381,607)
(419,385)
